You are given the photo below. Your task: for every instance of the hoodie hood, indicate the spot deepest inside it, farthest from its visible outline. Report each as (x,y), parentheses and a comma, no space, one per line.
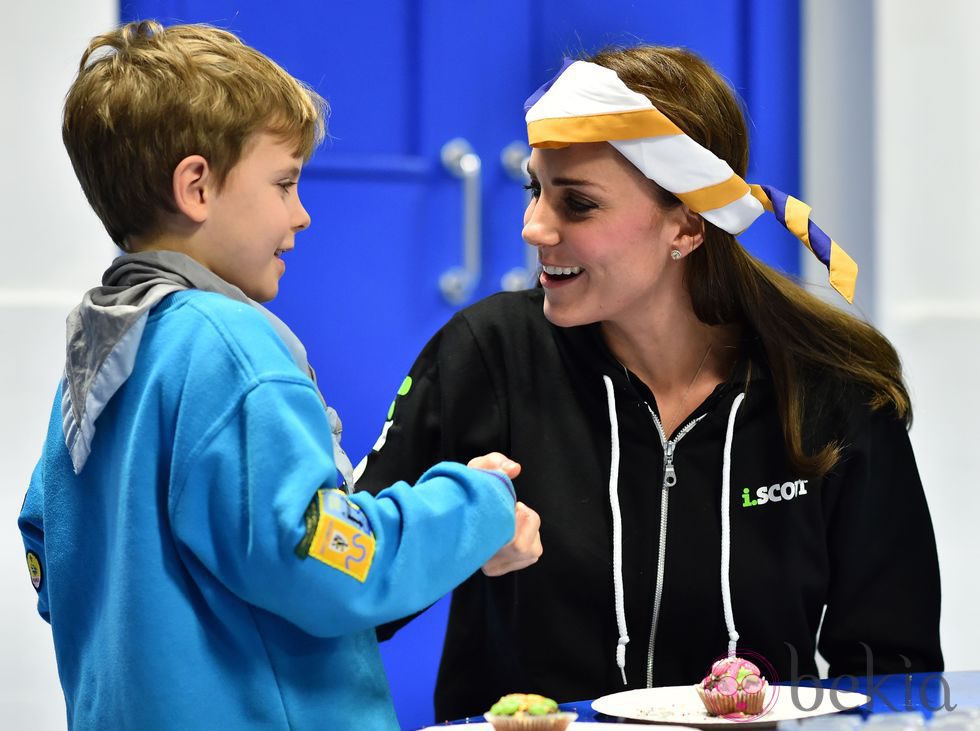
(105,330)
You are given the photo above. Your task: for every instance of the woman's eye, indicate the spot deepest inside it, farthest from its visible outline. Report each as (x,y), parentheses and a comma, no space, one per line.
(573,204)
(579,205)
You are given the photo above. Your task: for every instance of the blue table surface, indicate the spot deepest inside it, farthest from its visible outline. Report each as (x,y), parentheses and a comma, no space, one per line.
(927,693)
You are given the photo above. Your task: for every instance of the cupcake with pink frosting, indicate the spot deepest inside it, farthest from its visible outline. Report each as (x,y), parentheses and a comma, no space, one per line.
(733,689)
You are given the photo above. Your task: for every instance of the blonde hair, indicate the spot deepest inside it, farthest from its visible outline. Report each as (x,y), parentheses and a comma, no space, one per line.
(804,341)
(147,96)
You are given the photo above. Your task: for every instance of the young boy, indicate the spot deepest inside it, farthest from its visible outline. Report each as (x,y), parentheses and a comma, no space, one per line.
(195,566)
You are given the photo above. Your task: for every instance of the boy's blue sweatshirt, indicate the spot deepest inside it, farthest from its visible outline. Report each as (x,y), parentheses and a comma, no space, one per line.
(200,573)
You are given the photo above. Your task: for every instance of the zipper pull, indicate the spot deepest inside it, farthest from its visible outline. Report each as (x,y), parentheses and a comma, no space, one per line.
(670,477)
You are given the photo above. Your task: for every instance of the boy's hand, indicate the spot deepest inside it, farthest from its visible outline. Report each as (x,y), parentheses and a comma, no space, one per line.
(523,550)
(496,461)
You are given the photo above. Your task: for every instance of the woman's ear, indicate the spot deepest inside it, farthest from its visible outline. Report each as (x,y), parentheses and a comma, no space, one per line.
(690,231)
(192,187)
(690,235)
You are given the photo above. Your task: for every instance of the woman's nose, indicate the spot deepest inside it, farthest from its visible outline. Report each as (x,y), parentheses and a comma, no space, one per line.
(539,225)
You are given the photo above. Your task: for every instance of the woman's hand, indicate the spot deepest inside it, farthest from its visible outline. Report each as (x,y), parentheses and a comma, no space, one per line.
(523,550)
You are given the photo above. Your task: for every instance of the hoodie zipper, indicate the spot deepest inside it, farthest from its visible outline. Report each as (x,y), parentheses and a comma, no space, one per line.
(669,480)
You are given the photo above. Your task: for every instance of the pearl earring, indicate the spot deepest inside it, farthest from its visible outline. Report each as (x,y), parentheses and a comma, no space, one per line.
(676,254)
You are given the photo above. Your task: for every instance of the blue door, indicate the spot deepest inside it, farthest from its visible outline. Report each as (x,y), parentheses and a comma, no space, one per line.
(379,270)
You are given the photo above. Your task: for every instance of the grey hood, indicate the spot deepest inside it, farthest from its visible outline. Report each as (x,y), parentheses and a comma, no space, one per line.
(104,333)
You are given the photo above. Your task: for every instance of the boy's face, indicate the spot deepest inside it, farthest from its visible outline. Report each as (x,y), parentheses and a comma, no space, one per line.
(253,220)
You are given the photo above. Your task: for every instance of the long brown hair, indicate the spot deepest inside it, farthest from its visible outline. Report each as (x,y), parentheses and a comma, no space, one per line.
(801,336)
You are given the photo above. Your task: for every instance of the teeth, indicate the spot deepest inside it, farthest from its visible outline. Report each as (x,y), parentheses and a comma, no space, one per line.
(561,270)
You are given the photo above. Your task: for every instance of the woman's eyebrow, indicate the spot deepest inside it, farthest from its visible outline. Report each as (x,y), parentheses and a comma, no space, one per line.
(575,181)
(564,182)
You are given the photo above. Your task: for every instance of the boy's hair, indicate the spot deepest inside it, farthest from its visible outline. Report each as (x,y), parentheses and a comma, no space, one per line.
(147,96)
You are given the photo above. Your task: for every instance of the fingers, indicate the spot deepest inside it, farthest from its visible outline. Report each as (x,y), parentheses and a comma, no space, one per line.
(525,547)
(496,461)
(523,550)
(527,530)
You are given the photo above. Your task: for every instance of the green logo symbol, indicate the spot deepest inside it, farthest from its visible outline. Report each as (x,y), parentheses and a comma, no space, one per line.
(402,390)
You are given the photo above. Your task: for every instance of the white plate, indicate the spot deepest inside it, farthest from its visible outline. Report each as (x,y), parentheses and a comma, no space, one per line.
(680,704)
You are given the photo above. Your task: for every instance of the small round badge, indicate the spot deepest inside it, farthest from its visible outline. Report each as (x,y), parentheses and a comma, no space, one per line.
(34,567)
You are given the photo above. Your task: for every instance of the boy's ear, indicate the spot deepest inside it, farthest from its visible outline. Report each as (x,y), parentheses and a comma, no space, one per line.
(192,187)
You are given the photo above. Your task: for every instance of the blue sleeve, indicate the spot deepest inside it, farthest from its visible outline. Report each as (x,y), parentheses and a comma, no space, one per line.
(256,508)
(31,524)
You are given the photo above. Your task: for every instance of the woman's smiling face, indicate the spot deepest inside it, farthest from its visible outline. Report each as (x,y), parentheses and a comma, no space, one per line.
(603,238)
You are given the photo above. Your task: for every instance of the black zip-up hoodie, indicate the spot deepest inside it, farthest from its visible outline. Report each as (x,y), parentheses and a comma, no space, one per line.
(858,541)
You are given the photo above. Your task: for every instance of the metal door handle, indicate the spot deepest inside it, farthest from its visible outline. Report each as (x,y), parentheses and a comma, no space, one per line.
(458,283)
(514,159)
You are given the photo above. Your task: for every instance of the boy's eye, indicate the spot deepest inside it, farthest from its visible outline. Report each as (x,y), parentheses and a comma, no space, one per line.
(286,185)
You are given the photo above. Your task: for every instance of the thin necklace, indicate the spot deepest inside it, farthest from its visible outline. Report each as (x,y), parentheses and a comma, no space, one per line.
(680,408)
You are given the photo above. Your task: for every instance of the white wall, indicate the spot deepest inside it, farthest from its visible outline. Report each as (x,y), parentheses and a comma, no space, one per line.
(54,249)
(927,72)
(893,94)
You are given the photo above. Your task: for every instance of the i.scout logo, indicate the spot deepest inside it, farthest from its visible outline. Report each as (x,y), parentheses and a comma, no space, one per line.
(773,493)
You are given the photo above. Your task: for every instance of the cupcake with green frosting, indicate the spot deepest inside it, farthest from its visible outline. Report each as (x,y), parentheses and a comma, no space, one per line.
(528,712)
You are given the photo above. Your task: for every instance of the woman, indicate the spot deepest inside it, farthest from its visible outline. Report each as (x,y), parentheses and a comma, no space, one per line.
(716,455)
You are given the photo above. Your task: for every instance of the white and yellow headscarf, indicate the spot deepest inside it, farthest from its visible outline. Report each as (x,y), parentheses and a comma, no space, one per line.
(586,102)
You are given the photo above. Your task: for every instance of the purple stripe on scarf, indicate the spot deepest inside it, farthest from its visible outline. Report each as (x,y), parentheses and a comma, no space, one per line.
(819,241)
(778,199)
(533,99)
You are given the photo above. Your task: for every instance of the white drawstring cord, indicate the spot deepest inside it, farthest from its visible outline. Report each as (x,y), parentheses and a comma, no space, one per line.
(617,529)
(726,537)
(726,532)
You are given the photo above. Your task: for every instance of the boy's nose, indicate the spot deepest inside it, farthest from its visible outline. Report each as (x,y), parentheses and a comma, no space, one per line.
(302,219)
(539,228)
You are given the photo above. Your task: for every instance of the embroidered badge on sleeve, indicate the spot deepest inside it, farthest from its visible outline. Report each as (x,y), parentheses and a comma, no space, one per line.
(338,534)
(34,567)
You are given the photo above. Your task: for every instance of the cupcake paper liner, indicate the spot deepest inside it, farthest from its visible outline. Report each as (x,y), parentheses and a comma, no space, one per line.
(718,704)
(549,722)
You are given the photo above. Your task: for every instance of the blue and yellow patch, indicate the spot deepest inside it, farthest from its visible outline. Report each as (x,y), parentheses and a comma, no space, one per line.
(34,568)
(338,534)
